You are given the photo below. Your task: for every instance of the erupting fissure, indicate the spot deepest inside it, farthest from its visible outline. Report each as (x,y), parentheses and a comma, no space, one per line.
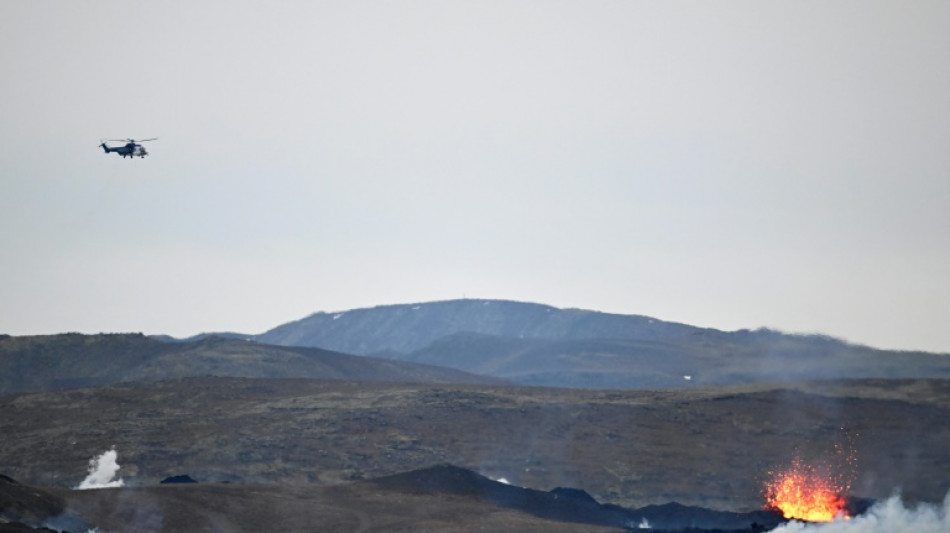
(813,492)
(802,492)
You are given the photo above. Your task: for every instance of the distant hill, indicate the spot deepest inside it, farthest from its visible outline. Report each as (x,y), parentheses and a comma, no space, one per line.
(410,327)
(537,344)
(53,362)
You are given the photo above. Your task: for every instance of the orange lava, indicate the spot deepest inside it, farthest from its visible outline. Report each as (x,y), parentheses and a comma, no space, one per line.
(803,493)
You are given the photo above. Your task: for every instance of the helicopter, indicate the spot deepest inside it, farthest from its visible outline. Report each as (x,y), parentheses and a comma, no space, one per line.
(131,148)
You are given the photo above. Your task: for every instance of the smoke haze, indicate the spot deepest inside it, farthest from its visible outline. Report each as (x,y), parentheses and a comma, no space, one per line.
(889,516)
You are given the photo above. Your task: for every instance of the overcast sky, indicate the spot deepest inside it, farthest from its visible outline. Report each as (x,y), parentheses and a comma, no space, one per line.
(723,164)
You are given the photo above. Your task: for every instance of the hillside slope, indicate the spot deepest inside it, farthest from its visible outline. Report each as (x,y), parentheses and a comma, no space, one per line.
(535,344)
(706,447)
(53,362)
(700,359)
(409,327)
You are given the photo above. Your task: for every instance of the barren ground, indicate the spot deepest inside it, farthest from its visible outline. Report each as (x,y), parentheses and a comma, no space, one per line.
(708,447)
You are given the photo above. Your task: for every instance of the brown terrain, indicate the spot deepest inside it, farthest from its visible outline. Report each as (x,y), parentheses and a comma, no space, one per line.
(295,453)
(300,438)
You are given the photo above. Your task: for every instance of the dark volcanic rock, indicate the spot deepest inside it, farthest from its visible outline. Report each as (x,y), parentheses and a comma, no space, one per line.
(573,505)
(20,527)
(178,479)
(560,504)
(674,516)
(28,504)
(24,508)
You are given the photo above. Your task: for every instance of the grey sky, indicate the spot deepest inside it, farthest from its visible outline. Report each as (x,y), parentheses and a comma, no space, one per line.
(723,164)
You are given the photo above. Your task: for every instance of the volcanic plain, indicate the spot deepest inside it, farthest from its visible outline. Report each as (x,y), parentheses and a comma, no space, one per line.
(711,447)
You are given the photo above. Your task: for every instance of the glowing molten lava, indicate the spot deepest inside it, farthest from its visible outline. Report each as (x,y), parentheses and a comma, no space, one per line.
(803,492)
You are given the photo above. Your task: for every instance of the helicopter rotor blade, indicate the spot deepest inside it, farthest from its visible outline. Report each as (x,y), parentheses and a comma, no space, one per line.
(128,140)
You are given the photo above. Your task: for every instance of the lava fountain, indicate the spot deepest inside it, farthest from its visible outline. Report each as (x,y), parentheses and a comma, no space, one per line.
(803,492)
(813,492)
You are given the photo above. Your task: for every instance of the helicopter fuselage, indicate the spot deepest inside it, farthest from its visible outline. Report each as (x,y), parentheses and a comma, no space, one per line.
(129,150)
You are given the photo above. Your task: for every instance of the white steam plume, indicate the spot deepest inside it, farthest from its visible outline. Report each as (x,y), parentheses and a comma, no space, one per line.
(889,516)
(102,471)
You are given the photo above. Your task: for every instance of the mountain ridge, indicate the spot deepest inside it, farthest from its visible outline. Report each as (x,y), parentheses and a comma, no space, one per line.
(423,322)
(537,344)
(517,342)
